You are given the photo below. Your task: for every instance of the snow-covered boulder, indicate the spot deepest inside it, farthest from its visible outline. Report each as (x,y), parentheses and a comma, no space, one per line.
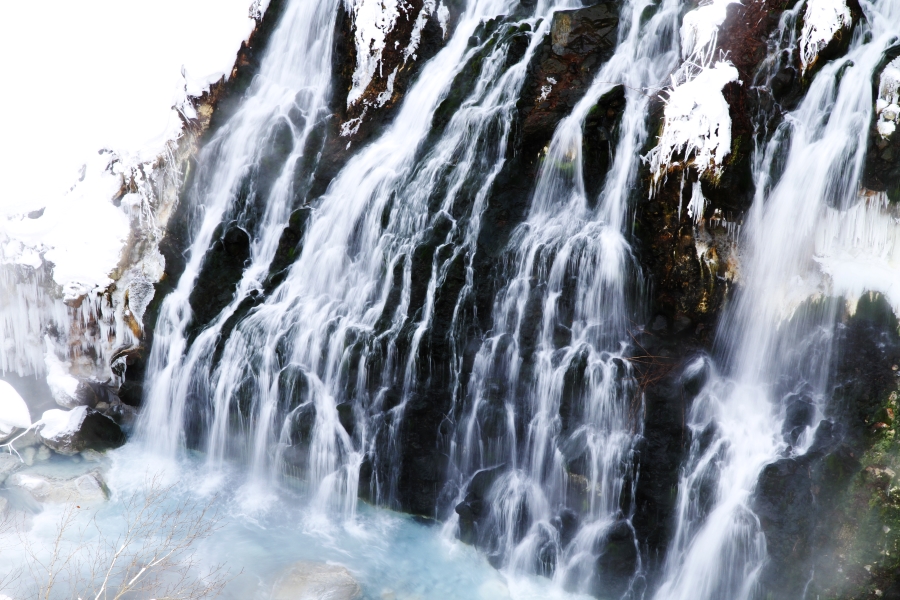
(82,428)
(14,412)
(86,488)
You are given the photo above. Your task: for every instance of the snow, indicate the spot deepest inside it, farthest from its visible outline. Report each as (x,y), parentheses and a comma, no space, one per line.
(374,20)
(696,122)
(100,74)
(821,21)
(56,423)
(700,31)
(63,387)
(428,7)
(13,410)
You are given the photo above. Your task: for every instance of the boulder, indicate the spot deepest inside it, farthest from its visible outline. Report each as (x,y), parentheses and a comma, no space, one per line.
(316,581)
(86,488)
(82,428)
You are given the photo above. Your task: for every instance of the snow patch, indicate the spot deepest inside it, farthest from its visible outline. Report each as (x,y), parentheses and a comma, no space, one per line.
(546,89)
(373,20)
(428,8)
(13,410)
(822,20)
(81,233)
(700,31)
(56,423)
(696,123)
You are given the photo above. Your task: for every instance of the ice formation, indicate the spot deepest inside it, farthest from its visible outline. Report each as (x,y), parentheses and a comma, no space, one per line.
(696,123)
(888,104)
(373,20)
(700,31)
(822,20)
(859,250)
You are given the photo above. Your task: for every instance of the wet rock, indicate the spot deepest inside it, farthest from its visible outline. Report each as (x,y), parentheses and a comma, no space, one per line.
(315,581)
(70,432)
(617,563)
(87,488)
(580,41)
(584,40)
(219,275)
(473,510)
(671,384)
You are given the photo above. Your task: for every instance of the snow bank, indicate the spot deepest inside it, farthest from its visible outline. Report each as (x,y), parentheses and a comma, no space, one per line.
(56,423)
(696,123)
(106,75)
(13,410)
(700,31)
(821,21)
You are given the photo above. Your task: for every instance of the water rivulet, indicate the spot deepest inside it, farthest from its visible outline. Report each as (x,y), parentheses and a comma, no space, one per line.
(450,328)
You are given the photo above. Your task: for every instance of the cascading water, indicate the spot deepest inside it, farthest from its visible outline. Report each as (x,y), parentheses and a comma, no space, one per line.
(344,306)
(775,344)
(343,331)
(289,95)
(571,258)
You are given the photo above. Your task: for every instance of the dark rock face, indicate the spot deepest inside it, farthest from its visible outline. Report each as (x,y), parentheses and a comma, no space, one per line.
(580,41)
(592,32)
(801,501)
(668,394)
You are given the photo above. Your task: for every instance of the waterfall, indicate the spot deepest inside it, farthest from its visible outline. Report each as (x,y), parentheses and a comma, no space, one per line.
(311,372)
(570,258)
(344,307)
(315,379)
(286,99)
(774,346)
